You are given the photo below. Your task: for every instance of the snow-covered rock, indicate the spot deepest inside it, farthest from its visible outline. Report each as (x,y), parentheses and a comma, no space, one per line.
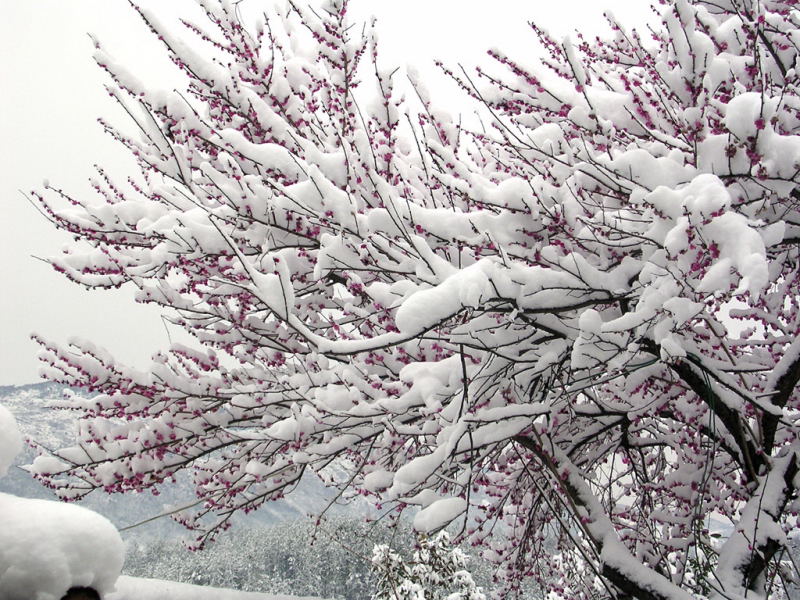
(48,547)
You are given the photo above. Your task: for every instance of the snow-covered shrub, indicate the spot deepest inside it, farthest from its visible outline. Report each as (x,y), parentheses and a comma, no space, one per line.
(48,547)
(571,327)
(436,571)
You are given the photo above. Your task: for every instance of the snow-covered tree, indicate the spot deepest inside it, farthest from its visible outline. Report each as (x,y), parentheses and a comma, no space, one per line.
(436,571)
(569,324)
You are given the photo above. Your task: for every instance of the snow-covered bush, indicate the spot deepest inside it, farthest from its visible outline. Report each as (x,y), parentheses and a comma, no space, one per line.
(49,547)
(436,571)
(572,327)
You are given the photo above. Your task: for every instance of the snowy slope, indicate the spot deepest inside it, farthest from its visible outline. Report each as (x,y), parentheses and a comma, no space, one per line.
(135,588)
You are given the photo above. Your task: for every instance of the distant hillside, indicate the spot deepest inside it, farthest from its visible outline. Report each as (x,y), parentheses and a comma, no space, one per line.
(56,428)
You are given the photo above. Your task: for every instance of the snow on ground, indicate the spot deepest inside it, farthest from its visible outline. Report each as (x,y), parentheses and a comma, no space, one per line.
(135,588)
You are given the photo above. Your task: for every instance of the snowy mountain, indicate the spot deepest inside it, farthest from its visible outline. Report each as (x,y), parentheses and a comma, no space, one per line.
(54,429)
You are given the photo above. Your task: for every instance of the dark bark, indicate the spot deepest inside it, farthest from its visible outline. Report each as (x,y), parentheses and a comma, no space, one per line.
(630,589)
(784,388)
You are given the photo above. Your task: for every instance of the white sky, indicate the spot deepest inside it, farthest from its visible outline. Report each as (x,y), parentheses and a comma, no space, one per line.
(51,95)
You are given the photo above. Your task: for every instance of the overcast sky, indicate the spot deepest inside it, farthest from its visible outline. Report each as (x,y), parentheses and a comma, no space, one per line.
(51,95)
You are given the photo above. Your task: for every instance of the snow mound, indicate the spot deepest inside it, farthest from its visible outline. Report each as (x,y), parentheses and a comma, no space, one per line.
(10,440)
(135,588)
(48,547)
